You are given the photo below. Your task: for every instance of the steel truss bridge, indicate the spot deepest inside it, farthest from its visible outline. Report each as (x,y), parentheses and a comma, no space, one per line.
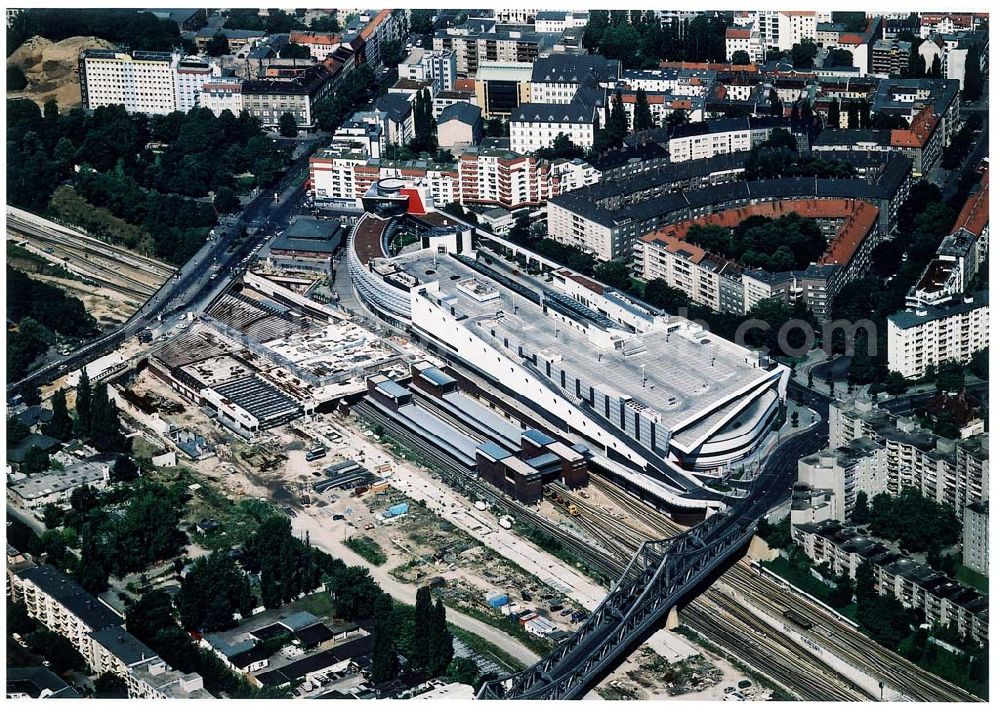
(659,575)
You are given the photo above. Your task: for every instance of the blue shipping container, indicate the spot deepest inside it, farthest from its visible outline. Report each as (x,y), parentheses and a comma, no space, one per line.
(498,600)
(397,509)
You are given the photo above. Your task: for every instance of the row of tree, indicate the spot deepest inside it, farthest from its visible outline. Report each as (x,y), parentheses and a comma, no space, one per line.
(639,40)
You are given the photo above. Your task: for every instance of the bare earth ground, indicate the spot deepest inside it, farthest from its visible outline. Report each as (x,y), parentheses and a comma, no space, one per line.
(52,68)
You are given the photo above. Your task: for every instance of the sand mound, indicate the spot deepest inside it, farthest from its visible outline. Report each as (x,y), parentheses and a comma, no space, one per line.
(52,68)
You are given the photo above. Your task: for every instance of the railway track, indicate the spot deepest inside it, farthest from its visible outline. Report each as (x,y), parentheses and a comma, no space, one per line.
(32,225)
(100,271)
(717,615)
(840,637)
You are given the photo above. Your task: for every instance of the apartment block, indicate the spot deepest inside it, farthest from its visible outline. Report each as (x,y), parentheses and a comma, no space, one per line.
(929,335)
(976,537)
(941,600)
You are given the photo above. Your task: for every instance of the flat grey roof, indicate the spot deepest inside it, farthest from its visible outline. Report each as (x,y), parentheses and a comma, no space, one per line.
(688,372)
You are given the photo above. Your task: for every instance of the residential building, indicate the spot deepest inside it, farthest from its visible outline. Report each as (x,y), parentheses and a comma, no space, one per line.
(446,98)
(889,58)
(744,39)
(608,219)
(439,67)
(367,33)
(976,537)
(555,79)
(222,94)
(937,23)
(929,335)
(559,20)
(268,99)
(703,277)
(459,126)
(706,139)
(320,45)
(535,126)
(960,255)
(142,82)
(781,29)
(941,600)
(37,683)
(56,486)
(239,40)
(953,472)
(840,474)
(851,228)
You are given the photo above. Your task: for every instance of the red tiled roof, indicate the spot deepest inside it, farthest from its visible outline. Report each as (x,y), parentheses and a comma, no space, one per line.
(736,33)
(975,215)
(921,129)
(859,217)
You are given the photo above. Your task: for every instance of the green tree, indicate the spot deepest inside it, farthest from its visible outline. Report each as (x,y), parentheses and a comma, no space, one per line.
(59,651)
(617,126)
(861,514)
(35,460)
(16,80)
(833,114)
(803,55)
(110,686)
(52,516)
(124,470)
(287,126)
(837,57)
(972,89)
(293,50)
(980,364)
(105,424)
(423,614)
(614,273)
(464,670)
(662,295)
(84,400)
(741,56)
(643,116)
(217,46)
(61,425)
(384,659)
(16,431)
(225,201)
(212,592)
(421,21)
(441,649)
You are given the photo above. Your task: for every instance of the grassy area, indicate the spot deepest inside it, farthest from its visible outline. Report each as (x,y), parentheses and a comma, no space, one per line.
(368,549)
(779,694)
(28,261)
(486,649)
(972,578)
(319,604)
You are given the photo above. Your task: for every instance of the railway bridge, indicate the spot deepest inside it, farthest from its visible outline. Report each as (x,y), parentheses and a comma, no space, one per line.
(656,579)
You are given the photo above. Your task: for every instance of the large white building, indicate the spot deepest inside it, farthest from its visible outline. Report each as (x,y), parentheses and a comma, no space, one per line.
(953,472)
(930,335)
(143,82)
(535,126)
(659,395)
(830,481)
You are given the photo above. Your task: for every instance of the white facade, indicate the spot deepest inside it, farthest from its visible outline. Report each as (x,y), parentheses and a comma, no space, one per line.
(780,29)
(222,94)
(976,538)
(931,335)
(190,77)
(143,82)
(531,133)
(438,66)
(745,40)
